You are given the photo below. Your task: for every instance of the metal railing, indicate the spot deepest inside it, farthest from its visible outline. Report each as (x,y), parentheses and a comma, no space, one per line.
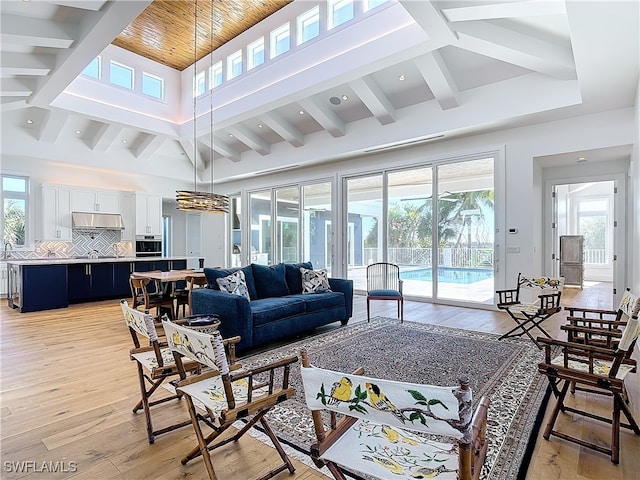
(462,257)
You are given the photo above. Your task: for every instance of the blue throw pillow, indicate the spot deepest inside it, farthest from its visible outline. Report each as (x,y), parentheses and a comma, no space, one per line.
(270,281)
(294,277)
(213,274)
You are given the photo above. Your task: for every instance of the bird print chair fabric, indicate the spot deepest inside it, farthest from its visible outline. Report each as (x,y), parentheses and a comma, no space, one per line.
(225,393)
(391,434)
(529,304)
(155,365)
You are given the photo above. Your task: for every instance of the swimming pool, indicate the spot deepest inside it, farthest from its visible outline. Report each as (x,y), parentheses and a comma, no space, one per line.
(448,275)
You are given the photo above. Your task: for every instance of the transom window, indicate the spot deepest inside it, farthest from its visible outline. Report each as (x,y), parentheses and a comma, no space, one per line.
(280,40)
(93,70)
(340,11)
(199,84)
(121,75)
(152,85)
(309,25)
(234,65)
(255,53)
(215,75)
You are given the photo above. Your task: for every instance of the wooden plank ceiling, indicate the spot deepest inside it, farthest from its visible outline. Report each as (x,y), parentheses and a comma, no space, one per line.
(164,31)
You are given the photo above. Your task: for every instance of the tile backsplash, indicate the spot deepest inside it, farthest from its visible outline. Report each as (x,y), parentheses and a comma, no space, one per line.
(83,242)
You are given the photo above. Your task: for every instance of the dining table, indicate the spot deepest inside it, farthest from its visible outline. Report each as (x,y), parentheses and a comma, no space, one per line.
(168,280)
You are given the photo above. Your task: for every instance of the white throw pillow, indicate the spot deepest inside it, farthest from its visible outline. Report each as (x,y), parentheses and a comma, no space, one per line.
(235,284)
(314,281)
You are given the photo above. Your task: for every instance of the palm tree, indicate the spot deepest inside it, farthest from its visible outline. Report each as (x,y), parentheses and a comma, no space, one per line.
(14,222)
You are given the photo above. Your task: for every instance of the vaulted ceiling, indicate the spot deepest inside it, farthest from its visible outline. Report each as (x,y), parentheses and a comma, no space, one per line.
(466,67)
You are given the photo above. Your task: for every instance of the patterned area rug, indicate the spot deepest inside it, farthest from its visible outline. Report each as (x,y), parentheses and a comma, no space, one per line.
(505,371)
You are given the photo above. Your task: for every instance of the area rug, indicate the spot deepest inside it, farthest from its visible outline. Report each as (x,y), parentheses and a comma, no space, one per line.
(505,371)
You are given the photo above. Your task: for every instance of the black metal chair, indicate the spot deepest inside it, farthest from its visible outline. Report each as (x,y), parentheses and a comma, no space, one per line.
(384,283)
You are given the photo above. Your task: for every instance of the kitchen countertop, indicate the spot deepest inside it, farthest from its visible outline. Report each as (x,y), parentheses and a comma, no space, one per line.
(70,260)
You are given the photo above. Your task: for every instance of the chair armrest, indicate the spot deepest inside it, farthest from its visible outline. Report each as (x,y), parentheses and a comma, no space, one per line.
(507,297)
(346,287)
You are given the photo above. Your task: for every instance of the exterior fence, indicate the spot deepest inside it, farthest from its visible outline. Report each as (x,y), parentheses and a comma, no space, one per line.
(475,257)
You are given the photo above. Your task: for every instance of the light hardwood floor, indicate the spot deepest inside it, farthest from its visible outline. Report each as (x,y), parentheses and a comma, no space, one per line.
(68,386)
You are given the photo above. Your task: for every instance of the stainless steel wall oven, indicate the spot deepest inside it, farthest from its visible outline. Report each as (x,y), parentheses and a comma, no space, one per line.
(148,246)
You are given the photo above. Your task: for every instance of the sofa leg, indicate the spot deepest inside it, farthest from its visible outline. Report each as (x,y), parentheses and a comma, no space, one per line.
(344,322)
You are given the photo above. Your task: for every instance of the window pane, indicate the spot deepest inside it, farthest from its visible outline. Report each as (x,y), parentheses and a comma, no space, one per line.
(236,231)
(255,54)
(215,75)
(14,221)
(317,235)
(341,11)
(14,184)
(234,65)
(93,69)
(370,4)
(280,40)
(199,84)
(152,86)
(309,25)
(121,75)
(261,244)
(288,207)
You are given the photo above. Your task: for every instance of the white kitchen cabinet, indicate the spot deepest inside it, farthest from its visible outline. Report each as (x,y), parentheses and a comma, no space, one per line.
(3,280)
(56,213)
(103,201)
(128,211)
(148,214)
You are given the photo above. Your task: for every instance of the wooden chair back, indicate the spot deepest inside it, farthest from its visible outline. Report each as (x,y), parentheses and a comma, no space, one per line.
(194,282)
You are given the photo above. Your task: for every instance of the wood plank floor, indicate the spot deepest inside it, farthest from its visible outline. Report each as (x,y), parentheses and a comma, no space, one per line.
(68,386)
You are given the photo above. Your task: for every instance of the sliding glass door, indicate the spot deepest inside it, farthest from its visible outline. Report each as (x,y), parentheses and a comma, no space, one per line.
(443,245)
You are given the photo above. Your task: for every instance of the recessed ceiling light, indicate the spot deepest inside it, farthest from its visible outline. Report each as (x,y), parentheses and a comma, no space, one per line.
(581,159)
(77,132)
(231,135)
(344,97)
(29,122)
(401,78)
(301,112)
(259,125)
(124,140)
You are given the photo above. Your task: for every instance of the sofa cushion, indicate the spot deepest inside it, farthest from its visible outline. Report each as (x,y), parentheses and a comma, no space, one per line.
(322,301)
(314,281)
(294,277)
(214,273)
(234,284)
(270,280)
(276,308)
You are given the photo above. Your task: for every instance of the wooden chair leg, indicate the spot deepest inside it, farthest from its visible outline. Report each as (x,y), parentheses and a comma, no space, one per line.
(368,309)
(556,410)
(144,403)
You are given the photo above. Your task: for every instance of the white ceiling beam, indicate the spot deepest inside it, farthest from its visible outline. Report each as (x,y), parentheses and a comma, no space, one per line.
(197,161)
(94,5)
(430,20)
(96,32)
(13,87)
(33,32)
(225,150)
(516,48)
(104,137)
(8,104)
(147,146)
(250,139)
(504,10)
(440,81)
(324,116)
(25,64)
(52,124)
(374,99)
(284,128)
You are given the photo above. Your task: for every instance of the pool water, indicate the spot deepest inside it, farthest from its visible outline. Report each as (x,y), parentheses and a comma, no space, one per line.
(448,275)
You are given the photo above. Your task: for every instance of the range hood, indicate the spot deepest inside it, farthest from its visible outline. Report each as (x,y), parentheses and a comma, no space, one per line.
(97,221)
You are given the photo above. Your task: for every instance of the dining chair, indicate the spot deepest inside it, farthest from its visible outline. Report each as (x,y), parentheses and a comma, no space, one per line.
(385,429)
(384,283)
(220,395)
(155,364)
(143,295)
(180,292)
(194,282)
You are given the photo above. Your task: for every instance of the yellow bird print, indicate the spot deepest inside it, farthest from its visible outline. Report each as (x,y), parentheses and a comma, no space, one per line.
(426,472)
(340,391)
(379,401)
(388,463)
(176,338)
(390,434)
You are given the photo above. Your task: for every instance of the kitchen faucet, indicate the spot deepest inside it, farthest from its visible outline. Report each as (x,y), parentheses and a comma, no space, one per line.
(10,247)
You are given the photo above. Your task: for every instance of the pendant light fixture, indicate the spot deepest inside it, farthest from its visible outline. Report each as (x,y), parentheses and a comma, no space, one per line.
(194,200)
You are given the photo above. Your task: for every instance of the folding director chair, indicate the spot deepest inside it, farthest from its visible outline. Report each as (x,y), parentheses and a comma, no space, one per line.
(218,396)
(529,304)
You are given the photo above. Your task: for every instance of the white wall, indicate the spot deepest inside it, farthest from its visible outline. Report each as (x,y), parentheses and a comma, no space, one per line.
(634,202)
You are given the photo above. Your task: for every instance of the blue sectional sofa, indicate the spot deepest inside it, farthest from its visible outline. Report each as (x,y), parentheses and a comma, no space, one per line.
(277,308)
